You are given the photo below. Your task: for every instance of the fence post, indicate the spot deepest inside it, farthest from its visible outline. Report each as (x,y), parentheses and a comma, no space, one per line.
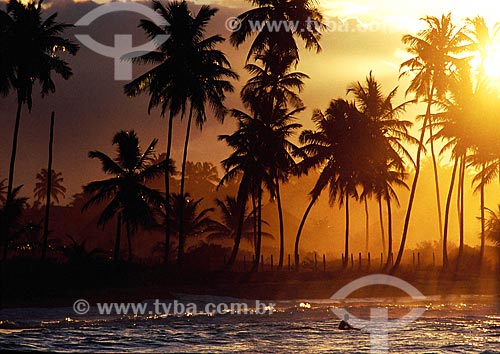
(315,262)
(352,260)
(359,259)
(324,263)
(369,259)
(418,259)
(381,259)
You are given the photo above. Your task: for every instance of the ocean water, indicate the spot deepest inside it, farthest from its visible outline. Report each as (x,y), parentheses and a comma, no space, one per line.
(458,324)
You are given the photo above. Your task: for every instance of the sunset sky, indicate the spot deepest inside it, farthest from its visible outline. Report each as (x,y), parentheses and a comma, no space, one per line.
(91,107)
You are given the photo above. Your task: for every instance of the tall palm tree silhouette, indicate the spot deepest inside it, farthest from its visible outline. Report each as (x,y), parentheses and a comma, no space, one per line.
(129,198)
(436,53)
(189,69)
(29,53)
(278,22)
(247,162)
(371,101)
(57,188)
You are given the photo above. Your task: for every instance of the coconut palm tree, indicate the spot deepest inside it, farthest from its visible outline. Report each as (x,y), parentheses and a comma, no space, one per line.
(276,23)
(195,222)
(247,162)
(29,53)
(56,187)
(493,226)
(228,226)
(371,101)
(437,51)
(29,56)
(165,82)
(134,204)
(197,72)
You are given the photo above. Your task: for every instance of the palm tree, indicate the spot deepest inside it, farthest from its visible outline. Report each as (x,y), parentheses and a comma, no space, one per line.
(29,53)
(436,51)
(30,56)
(207,70)
(493,226)
(195,222)
(247,162)
(467,104)
(165,83)
(130,199)
(197,72)
(228,226)
(302,18)
(56,187)
(379,108)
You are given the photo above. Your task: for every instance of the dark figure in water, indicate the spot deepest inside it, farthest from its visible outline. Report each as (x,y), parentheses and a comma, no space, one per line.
(344,324)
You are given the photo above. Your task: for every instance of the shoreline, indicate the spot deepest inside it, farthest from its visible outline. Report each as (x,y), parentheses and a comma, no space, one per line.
(133,286)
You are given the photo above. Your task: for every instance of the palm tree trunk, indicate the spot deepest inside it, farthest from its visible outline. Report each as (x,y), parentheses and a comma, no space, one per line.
(436,183)
(241,201)
(412,195)
(447,215)
(282,227)
(483,223)
(14,151)
(381,216)
(167,189)
(255,220)
(259,229)
(389,230)
(116,256)
(367,226)
(461,210)
(180,254)
(129,240)
(6,225)
(49,188)
(346,244)
(299,232)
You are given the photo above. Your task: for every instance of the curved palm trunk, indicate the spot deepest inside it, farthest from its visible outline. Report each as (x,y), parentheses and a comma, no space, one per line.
(381,217)
(241,202)
(6,225)
(460,200)
(412,196)
(182,238)
(436,183)
(299,232)
(129,240)
(116,256)
(282,228)
(346,244)
(367,227)
(255,220)
(49,189)
(259,230)
(483,223)
(389,231)
(167,189)
(447,216)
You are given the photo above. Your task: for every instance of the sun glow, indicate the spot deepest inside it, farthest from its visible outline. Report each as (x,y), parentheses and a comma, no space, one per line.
(492,61)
